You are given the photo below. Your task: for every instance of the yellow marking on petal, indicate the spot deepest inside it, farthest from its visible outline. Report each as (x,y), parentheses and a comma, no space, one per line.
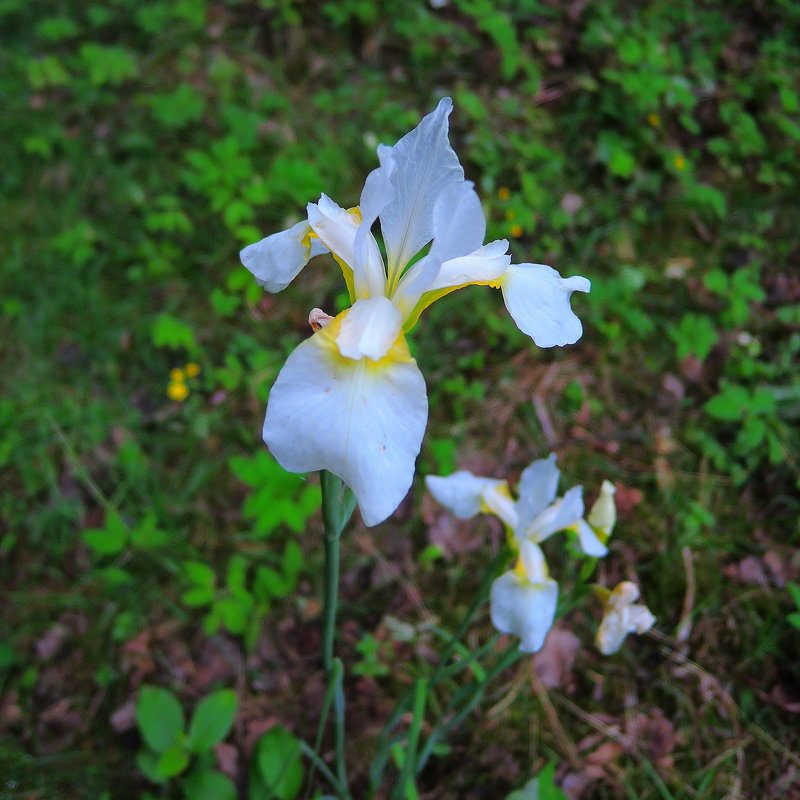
(429,298)
(519,569)
(192,370)
(355,213)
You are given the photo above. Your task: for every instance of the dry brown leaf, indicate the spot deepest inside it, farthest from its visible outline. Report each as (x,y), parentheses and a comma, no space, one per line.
(554,662)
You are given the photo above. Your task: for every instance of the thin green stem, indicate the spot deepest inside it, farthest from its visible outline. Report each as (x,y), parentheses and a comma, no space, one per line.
(406,786)
(338,503)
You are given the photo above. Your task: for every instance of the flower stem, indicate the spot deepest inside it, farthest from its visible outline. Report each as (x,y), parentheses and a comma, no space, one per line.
(338,503)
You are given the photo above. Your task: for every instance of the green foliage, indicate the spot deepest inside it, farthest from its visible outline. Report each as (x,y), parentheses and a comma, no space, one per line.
(169,749)
(276,771)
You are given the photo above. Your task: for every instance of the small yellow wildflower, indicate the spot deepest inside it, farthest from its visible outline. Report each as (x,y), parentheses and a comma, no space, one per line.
(679,163)
(511,214)
(516,230)
(653,120)
(178,391)
(176,375)
(504,193)
(192,369)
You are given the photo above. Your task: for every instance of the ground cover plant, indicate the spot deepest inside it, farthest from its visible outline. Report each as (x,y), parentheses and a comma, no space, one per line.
(153,554)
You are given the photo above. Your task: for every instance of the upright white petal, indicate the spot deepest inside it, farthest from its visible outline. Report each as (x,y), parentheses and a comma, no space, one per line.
(538,486)
(369,329)
(524,609)
(377,192)
(458,230)
(425,165)
(362,420)
(461,493)
(564,513)
(276,260)
(337,230)
(537,297)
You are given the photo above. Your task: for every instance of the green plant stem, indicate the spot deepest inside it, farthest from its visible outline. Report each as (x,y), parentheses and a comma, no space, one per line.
(338,503)
(406,786)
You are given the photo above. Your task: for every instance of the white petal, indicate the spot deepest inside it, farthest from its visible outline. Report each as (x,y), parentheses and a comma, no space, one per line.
(276,260)
(461,493)
(337,229)
(588,541)
(641,619)
(618,623)
(497,499)
(425,165)
(564,513)
(537,297)
(369,329)
(362,420)
(538,486)
(533,561)
(525,609)
(603,515)
(624,594)
(377,191)
(484,265)
(458,229)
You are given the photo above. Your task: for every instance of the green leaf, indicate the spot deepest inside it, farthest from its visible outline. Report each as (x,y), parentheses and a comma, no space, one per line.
(212,720)
(147,763)
(209,785)
(105,541)
(199,573)
(278,765)
(542,787)
(173,333)
(794,592)
(160,717)
(173,761)
(200,596)
(730,404)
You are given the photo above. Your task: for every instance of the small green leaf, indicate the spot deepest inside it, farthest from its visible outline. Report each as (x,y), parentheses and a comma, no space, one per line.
(278,765)
(173,761)
(199,596)
(209,785)
(147,762)
(160,717)
(199,573)
(730,404)
(212,720)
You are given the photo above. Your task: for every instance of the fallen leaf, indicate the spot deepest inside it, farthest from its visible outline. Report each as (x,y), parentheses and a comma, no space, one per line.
(554,662)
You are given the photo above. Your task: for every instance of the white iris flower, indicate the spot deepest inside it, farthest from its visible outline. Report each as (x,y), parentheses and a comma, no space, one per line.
(621,616)
(351,399)
(523,600)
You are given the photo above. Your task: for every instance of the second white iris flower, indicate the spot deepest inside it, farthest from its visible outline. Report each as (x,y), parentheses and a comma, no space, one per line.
(351,399)
(523,600)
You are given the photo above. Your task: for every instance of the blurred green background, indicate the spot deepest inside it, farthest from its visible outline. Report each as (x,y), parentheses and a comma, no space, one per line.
(146,536)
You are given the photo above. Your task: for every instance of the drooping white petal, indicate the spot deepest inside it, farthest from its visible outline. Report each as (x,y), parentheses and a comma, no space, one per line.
(523,608)
(425,165)
(337,230)
(603,515)
(621,617)
(377,192)
(369,329)
(484,265)
(538,486)
(497,500)
(362,420)
(537,297)
(462,492)
(564,513)
(588,540)
(276,260)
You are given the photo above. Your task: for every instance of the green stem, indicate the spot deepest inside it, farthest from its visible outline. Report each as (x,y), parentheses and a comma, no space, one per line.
(406,786)
(338,504)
